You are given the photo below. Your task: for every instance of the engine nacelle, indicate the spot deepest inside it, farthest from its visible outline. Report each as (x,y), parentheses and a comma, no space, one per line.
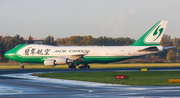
(49,63)
(61,61)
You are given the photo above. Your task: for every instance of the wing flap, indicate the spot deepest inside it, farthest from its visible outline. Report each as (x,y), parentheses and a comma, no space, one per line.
(77,56)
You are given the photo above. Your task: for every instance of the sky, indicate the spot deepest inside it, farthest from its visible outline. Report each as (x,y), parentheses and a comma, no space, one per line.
(65,18)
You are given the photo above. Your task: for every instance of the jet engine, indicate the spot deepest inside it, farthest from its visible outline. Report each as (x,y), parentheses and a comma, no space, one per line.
(49,63)
(61,61)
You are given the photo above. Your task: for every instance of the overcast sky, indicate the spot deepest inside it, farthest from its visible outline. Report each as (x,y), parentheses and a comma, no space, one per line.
(65,18)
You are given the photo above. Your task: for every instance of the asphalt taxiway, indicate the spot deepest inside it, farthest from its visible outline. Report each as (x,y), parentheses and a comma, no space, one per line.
(20,83)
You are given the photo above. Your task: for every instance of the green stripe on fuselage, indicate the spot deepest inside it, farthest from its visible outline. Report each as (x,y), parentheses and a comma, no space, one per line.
(105,59)
(87,59)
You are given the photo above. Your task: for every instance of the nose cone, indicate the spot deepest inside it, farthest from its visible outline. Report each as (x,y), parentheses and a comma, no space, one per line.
(9,54)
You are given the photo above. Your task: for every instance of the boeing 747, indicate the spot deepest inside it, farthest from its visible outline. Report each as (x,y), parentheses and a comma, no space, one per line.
(84,55)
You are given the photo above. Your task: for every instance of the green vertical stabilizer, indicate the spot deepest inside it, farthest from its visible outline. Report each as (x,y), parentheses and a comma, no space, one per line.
(153,36)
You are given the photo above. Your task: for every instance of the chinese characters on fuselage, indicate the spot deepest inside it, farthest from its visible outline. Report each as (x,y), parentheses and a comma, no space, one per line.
(32,51)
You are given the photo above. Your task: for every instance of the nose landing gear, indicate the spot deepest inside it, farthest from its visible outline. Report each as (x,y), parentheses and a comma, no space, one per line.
(21,65)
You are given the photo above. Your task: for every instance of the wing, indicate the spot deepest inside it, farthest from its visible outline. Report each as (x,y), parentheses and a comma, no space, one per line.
(77,57)
(69,58)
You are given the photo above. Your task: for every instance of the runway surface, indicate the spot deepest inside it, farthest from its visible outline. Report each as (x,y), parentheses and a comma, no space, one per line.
(20,83)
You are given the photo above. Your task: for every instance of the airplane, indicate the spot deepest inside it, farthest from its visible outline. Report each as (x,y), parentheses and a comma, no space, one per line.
(84,55)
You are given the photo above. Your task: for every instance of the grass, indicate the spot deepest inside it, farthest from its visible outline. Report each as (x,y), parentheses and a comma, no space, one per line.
(138,78)
(111,65)
(134,65)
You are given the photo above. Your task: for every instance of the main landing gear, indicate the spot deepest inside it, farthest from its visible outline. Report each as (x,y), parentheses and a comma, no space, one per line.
(85,66)
(73,66)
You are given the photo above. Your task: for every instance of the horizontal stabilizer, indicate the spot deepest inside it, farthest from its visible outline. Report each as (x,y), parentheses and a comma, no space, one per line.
(168,47)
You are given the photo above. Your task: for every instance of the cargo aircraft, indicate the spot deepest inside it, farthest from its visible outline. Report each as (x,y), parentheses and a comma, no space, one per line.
(84,55)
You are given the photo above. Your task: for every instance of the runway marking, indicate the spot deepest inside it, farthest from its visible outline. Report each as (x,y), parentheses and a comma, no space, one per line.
(119,93)
(45,85)
(123,93)
(8,91)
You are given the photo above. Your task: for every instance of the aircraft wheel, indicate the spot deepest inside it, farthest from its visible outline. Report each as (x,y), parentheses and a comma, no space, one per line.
(80,67)
(85,66)
(21,67)
(70,65)
(73,67)
(88,67)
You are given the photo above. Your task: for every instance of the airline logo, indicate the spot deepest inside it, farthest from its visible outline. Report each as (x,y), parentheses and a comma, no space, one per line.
(158,31)
(155,34)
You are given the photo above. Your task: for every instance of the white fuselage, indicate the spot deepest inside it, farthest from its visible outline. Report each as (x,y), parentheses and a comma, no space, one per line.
(60,51)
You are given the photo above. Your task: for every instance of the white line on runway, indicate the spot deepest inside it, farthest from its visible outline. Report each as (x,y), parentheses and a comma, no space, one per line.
(64,81)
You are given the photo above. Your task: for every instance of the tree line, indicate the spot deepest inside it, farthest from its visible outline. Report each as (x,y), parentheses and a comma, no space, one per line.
(8,42)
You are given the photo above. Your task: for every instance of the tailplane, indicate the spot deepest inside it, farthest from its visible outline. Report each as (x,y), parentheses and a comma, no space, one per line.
(153,36)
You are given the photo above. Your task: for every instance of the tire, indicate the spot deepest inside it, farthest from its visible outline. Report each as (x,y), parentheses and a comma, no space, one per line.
(80,67)
(88,67)
(21,67)
(73,67)
(70,67)
(84,67)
